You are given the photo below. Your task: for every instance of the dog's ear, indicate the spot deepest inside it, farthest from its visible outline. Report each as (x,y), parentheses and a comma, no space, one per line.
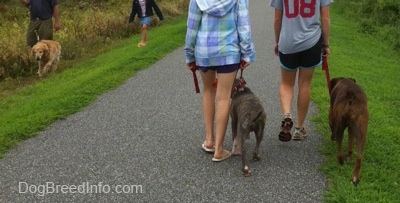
(352,79)
(33,50)
(46,47)
(333,82)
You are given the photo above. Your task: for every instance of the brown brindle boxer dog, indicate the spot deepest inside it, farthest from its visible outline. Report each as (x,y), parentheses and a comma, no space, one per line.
(348,109)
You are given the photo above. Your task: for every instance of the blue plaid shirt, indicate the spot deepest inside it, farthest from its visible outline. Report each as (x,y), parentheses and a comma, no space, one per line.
(220,35)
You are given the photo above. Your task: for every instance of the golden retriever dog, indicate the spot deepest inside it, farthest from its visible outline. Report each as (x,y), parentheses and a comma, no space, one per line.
(348,109)
(47,53)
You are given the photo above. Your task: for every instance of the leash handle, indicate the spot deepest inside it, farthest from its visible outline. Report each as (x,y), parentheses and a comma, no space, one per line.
(243,82)
(196,82)
(326,69)
(241,74)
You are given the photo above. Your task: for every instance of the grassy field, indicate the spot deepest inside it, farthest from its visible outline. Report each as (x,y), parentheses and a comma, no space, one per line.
(87,28)
(372,62)
(375,66)
(32,108)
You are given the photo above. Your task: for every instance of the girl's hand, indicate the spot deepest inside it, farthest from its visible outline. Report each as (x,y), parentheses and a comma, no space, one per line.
(244,64)
(192,66)
(325,51)
(26,2)
(276,49)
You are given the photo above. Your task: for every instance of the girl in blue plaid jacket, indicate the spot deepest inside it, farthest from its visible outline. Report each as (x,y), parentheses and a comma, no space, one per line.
(218,43)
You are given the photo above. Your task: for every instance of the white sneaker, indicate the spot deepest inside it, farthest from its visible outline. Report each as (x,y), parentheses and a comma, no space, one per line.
(299,134)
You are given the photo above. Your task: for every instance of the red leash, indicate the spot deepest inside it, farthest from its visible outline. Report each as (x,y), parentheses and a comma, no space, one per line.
(196,82)
(326,69)
(241,84)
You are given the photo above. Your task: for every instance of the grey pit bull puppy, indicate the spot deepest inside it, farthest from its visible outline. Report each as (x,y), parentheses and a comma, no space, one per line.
(247,115)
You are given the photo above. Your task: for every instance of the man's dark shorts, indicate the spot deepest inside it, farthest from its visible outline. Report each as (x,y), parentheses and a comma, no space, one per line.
(309,58)
(39,28)
(221,69)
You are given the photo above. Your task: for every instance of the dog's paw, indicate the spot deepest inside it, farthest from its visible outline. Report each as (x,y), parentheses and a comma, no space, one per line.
(256,157)
(248,136)
(355,181)
(348,158)
(246,171)
(341,160)
(235,150)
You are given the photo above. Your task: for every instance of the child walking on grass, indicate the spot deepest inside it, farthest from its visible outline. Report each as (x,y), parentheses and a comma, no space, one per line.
(144,10)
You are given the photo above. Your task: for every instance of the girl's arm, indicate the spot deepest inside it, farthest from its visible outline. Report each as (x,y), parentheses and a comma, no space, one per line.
(325,26)
(244,31)
(277,28)
(133,13)
(158,11)
(193,23)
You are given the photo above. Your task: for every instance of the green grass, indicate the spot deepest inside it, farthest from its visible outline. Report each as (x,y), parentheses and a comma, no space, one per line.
(375,66)
(369,60)
(32,108)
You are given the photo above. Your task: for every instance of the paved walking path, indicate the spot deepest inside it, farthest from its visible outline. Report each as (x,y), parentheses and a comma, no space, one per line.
(145,138)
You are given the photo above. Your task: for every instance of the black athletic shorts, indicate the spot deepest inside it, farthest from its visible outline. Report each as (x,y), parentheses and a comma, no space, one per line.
(309,58)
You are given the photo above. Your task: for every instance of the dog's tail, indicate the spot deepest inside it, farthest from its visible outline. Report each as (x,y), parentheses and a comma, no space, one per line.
(251,118)
(257,116)
(353,104)
(354,95)
(350,101)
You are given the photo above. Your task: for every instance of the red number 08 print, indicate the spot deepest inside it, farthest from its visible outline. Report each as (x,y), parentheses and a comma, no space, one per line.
(302,7)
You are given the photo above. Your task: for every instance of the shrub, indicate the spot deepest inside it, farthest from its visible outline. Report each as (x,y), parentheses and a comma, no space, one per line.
(85,24)
(378,17)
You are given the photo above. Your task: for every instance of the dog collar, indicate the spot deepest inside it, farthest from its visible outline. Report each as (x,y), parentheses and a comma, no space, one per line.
(239,87)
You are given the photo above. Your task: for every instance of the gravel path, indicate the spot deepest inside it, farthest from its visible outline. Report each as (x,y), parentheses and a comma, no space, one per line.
(144,140)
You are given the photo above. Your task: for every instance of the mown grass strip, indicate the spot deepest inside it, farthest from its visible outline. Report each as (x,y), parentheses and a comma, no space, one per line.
(375,66)
(32,108)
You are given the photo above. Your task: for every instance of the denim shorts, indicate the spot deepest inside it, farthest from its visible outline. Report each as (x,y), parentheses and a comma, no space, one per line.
(221,69)
(145,21)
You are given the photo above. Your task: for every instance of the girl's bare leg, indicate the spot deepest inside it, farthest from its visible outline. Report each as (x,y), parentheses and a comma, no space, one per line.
(223,96)
(286,89)
(209,93)
(303,99)
(143,42)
